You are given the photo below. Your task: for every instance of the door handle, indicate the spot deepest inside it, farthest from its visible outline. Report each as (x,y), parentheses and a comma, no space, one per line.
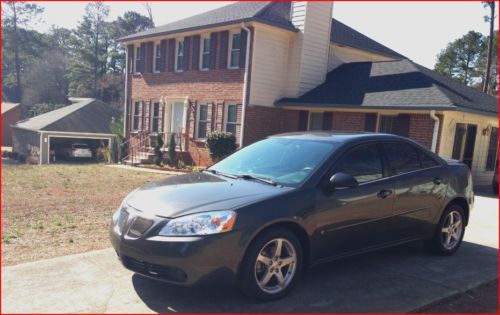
(384,193)
(437,181)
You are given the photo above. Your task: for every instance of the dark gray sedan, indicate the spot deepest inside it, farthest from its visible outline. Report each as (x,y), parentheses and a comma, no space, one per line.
(263,214)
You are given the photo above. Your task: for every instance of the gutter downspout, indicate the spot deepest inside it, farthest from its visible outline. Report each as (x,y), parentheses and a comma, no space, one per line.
(436,130)
(245,82)
(126,95)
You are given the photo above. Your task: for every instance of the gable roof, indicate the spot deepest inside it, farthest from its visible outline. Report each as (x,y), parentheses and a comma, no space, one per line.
(271,13)
(8,106)
(345,35)
(399,84)
(86,115)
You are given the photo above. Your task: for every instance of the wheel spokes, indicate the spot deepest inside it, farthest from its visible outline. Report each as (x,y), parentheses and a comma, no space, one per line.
(265,260)
(279,246)
(265,280)
(287,261)
(280,278)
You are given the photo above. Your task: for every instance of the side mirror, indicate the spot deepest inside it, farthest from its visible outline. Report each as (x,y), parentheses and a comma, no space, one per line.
(343,180)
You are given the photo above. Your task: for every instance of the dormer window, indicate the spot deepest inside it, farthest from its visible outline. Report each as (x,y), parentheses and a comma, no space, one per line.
(205,53)
(138,59)
(234,49)
(179,62)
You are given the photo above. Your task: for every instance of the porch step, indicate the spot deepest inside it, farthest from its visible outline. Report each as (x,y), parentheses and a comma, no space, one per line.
(140,158)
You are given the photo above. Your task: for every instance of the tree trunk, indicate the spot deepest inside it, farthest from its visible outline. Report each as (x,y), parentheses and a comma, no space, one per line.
(490,48)
(18,92)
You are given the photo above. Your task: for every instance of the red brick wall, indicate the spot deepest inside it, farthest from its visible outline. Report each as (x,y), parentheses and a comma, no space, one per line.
(9,118)
(344,121)
(422,128)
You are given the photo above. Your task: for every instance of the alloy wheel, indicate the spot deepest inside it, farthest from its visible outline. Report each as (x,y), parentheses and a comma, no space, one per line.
(275,265)
(451,232)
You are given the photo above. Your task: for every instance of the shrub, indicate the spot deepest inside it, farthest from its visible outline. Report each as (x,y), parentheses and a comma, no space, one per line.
(172,154)
(157,150)
(220,144)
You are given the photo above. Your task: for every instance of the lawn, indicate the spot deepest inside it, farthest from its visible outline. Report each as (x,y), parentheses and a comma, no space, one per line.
(55,210)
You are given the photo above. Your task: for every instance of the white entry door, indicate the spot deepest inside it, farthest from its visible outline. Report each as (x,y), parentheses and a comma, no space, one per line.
(177,117)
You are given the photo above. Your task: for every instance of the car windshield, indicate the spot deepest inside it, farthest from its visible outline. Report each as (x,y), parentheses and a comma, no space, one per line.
(283,161)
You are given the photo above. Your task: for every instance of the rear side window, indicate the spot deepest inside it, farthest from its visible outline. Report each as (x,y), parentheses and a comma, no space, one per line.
(426,160)
(402,158)
(362,162)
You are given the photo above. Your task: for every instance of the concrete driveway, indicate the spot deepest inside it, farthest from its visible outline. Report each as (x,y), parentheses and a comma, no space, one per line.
(401,279)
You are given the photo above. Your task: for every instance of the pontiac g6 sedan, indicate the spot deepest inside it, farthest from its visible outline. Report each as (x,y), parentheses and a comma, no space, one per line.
(265,213)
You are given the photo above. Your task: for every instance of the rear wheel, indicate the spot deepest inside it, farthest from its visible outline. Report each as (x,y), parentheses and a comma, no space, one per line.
(450,231)
(272,265)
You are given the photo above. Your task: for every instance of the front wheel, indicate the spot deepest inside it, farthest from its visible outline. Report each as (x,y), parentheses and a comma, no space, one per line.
(272,265)
(450,231)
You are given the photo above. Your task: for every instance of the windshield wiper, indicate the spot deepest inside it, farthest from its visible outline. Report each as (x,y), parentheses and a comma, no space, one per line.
(219,173)
(261,179)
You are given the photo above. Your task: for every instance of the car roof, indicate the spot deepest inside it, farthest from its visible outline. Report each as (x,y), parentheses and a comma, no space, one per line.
(338,137)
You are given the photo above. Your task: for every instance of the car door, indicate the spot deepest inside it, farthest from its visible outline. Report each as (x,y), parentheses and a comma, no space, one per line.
(419,188)
(351,219)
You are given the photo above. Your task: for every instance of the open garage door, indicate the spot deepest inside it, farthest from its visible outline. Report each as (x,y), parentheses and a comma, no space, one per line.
(77,150)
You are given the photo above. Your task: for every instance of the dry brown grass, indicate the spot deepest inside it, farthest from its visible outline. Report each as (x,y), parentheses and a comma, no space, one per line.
(55,210)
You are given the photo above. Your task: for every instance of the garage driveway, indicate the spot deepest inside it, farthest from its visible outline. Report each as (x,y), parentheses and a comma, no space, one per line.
(400,279)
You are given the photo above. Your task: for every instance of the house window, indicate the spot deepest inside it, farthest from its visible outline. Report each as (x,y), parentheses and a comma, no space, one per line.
(155,119)
(388,124)
(231,119)
(138,59)
(315,121)
(234,61)
(157,58)
(492,150)
(180,56)
(202,121)
(137,116)
(205,54)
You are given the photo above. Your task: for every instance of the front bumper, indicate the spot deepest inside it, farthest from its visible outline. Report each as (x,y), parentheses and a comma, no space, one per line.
(180,260)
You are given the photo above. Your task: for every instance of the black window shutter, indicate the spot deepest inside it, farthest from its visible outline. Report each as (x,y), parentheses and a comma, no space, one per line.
(224,37)
(150,56)
(143,56)
(163,49)
(195,57)
(303,118)
(403,125)
(243,48)
(327,120)
(213,50)
(171,55)
(130,60)
(370,122)
(187,51)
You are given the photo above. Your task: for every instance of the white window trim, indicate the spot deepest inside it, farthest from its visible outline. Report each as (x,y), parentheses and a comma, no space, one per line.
(137,47)
(177,41)
(154,59)
(309,117)
(196,136)
(203,37)
(230,46)
(226,112)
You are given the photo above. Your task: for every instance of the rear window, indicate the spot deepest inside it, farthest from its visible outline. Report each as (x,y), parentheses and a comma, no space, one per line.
(426,160)
(80,146)
(402,158)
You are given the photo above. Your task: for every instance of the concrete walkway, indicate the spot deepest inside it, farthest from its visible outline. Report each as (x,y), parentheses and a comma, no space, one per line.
(143,169)
(401,279)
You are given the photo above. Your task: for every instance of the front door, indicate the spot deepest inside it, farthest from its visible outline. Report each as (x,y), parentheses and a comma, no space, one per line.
(177,117)
(465,140)
(351,219)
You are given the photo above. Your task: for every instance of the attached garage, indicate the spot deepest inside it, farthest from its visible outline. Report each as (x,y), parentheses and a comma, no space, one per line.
(79,127)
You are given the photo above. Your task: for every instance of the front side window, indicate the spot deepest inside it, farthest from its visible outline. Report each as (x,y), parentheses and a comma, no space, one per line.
(285,161)
(157,58)
(137,115)
(205,54)
(492,150)
(138,59)
(388,124)
(362,162)
(156,117)
(315,121)
(231,119)
(235,51)
(202,121)
(180,56)
(402,158)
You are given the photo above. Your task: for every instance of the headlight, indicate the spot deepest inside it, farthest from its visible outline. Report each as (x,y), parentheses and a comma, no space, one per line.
(116,215)
(204,223)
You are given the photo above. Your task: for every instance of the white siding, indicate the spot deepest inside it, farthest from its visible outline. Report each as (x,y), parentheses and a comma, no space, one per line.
(342,54)
(480,175)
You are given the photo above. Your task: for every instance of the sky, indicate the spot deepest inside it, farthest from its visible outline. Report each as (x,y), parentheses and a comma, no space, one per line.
(417,30)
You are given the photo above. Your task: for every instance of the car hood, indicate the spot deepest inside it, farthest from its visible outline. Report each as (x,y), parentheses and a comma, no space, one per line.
(198,192)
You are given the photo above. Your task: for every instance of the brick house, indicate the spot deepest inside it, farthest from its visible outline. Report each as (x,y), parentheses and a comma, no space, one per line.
(11,113)
(261,68)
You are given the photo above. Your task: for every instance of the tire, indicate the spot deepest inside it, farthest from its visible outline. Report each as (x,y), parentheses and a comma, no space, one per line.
(444,243)
(259,265)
